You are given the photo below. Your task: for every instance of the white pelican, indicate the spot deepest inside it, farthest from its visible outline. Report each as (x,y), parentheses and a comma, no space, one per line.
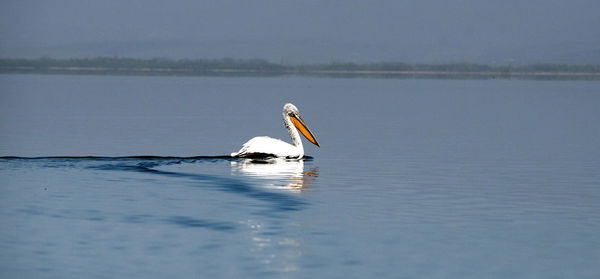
(266,146)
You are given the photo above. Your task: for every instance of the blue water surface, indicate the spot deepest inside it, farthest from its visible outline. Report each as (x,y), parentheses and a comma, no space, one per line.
(414,178)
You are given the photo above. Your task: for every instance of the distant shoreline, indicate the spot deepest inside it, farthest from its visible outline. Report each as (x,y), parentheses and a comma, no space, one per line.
(258,68)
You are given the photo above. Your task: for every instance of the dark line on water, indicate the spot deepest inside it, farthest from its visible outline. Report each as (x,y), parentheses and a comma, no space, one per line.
(135,157)
(190,222)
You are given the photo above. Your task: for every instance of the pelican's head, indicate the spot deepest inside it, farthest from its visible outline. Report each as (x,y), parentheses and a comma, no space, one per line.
(292,112)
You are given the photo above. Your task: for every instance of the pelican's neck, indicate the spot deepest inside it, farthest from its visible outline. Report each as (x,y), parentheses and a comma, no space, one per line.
(296,141)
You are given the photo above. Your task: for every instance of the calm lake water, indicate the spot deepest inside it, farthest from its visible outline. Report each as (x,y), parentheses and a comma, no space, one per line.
(414,178)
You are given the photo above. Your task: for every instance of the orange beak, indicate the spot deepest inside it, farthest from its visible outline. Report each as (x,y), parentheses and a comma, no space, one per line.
(301,126)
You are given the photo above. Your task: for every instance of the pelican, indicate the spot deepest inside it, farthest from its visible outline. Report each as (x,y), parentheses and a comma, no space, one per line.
(267,146)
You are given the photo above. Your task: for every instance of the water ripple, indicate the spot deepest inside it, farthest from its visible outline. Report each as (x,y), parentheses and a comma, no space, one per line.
(282,202)
(148,164)
(190,222)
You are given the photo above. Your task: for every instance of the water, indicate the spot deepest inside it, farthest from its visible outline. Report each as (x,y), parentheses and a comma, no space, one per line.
(414,179)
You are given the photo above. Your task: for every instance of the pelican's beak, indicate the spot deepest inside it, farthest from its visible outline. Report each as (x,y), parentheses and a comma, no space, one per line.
(301,126)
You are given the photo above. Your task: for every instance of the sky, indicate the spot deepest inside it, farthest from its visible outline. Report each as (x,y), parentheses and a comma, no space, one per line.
(427,31)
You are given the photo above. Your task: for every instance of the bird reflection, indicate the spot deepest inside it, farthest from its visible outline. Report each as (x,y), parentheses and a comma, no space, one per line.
(269,246)
(281,173)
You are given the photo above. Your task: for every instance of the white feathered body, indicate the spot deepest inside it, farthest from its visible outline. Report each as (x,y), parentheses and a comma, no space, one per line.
(268,145)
